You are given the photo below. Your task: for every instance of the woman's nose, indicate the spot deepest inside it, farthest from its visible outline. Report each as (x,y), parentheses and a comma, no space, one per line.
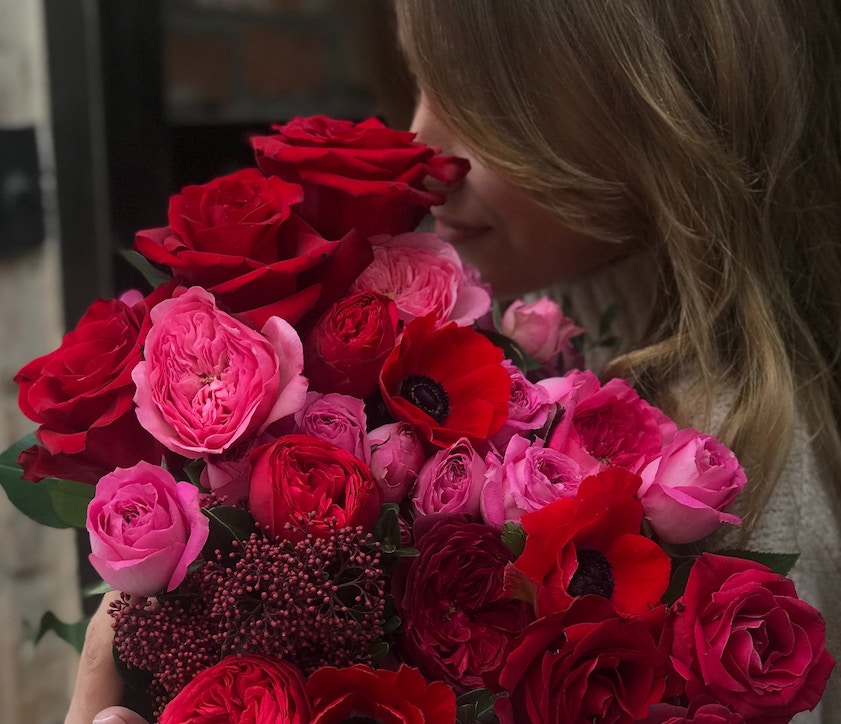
(432,131)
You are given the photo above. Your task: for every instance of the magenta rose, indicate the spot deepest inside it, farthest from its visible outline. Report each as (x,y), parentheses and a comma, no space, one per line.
(424,275)
(456,620)
(451,481)
(209,381)
(362,176)
(81,396)
(528,477)
(312,485)
(346,348)
(397,454)
(242,688)
(584,664)
(608,424)
(686,488)
(740,634)
(540,328)
(339,419)
(238,237)
(145,529)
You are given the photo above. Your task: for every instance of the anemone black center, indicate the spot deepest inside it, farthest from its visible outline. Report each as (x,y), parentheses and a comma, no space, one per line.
(426,394)
(594,574)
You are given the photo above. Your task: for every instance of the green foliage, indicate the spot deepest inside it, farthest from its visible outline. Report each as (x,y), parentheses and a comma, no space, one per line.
(227,524)
(150,273)
(476,706)
(514,537)
(780,563)
(51,502)
(72,633)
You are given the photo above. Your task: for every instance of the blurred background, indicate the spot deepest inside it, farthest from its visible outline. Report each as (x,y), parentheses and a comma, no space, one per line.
(107,107)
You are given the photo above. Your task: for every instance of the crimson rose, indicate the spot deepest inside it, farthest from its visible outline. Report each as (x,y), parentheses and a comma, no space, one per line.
(242,689)
(581,665)
(81,395)
(362,176)
(359,693)
(456,619)
(740,634)
(345,350)
(238,237)
(311,484)
(448,382)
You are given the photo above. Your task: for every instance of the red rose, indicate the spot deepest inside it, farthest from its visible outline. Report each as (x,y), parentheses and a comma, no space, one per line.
(310,483)
(456,620)
(581,665)
(740,634)
(245,689)
(238,237)
(81,395)
(345,350)
(359,693)
(590,544)
(361,176)
(701,711)
(448,382)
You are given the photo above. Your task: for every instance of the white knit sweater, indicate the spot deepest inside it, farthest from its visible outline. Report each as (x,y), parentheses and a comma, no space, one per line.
(800,516)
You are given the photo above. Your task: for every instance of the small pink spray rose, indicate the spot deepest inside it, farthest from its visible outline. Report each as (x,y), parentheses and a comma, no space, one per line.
(540,328)
(145,529)
(397,455)
(451,481)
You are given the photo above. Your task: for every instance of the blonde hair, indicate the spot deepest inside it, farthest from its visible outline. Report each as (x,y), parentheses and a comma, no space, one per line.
(708,131)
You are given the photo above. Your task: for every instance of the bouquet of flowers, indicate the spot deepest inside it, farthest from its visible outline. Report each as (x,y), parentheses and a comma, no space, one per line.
(334,483)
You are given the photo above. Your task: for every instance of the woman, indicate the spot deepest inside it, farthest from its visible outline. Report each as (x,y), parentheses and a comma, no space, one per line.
(682,159)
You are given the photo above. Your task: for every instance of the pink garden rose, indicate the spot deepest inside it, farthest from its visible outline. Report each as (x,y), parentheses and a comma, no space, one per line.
(145,529)
(608,424)
(424,275)
(397,455)
(685,489)
(339,419)
(540,328)
(209,381)
(528,477)
(741,635)
(451,481)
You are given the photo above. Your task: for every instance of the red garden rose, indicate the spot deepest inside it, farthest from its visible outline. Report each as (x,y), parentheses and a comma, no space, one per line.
(456,620)
(238,237)
(740,634)
(701,711)
(81,395)
(242,689)
(345,350)
(582,665)
(447,382)
(311,484)
(590,544)
(359,693)
(362,176)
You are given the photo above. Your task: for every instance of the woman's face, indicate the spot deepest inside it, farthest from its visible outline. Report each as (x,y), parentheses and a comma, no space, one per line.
(517,245)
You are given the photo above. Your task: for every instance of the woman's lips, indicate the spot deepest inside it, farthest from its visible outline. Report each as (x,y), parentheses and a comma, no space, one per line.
(456,233)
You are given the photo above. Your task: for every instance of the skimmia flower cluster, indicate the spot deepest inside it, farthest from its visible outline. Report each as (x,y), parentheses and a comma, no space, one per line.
(335,484)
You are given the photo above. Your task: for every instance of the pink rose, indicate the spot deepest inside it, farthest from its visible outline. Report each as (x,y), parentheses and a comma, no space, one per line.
(424,275)
(208,381)
(339,419)
(145,529)
(227,474)
(685,489)
(540,328)
(527,478)
(451,481)
(608,424)
(532,405)
(397,455)
(741,635)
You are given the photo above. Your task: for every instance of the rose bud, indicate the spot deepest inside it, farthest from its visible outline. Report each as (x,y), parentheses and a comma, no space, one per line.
(346,348)
(397,455)
(451,481)
(540,328)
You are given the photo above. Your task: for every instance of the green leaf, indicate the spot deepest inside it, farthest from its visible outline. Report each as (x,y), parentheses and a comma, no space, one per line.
(512,350)
(193,470)
(476,706)
(680,575)
(72,633)
(150,273)
(780,563)
(379,651)
(51,502)
(227,524)
(96,589)
(514,537)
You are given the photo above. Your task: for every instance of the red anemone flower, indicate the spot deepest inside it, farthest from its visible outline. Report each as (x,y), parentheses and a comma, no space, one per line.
(448,382)
(590,544)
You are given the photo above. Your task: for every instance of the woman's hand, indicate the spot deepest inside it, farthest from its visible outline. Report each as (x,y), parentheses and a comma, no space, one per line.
(99,688)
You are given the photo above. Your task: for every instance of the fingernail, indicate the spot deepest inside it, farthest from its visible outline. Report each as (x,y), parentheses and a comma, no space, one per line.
(108,719)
